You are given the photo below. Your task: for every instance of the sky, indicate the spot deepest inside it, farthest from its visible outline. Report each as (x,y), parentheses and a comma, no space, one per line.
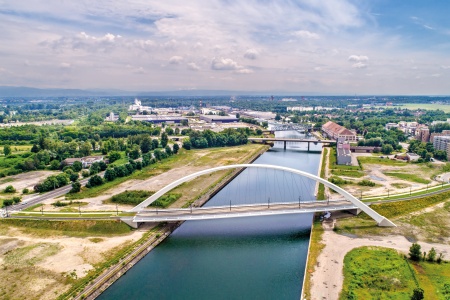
(353,47)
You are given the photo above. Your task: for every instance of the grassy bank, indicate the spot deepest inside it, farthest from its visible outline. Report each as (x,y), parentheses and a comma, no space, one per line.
(321,189)
(315,248)
(76,228)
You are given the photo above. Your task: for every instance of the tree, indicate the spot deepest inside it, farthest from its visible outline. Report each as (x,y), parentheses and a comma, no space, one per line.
(95,181)
(158,154)
(146,144)
(155,143)
(135,152)
(77,166)
(164,139)
(431,255)
(387,149)
(54,164)
(7,150)
(277,117)
(418,294)
(175,148)
(76,187)
(238,115)
(113,156)
(415,252)
(187,144)
(168,150)
(110,174)
(85,149)
(35,148)
(73,177)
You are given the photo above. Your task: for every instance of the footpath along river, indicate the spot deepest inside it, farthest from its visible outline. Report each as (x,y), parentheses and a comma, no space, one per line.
(240,258)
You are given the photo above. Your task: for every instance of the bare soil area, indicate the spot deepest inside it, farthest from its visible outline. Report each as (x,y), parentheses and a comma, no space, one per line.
(25,180)
(43,266)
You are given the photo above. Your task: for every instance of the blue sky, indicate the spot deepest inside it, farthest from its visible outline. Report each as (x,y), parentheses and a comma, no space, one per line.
(303,46)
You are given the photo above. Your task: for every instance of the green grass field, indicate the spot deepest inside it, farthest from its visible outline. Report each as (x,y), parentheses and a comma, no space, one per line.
(431,106)
(408,177)
(380,161)
(382,273)
(376,273)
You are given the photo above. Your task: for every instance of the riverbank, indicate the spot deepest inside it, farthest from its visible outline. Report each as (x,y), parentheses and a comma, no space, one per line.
(115,272)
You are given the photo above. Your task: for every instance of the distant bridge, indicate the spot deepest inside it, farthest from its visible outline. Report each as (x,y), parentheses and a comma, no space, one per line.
(153,215)
(286,140)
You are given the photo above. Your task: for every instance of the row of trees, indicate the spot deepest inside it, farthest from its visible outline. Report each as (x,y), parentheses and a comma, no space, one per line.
(426,150)
(208,138)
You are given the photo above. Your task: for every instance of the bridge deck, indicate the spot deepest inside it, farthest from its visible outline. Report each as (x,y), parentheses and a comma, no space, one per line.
(235,211)
(289,140)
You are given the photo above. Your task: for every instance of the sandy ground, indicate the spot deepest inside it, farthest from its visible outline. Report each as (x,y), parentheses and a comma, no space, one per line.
(327,278)
(76,254)
(26,180)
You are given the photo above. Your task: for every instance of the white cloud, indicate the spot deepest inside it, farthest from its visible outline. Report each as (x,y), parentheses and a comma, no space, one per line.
(139,70)
(445,67)
(193,66)
(358,58)
(306,34)
(175,60)
(65,65)
(244,71)
(224,64)
(251,54)
(359,65)
(436,75)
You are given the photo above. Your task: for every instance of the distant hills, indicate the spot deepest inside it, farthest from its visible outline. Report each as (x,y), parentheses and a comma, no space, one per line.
(12,92)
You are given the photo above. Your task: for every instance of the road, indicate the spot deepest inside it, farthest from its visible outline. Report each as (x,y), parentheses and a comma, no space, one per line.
(216,212)
(49,195)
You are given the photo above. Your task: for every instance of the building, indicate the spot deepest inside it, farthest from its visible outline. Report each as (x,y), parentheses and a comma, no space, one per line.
(86,161)
(343,154)
(364,149)
(157,119)
(218,119)
(112,117)
(335,131)
(391,125)
(423,134)
(138,106)
(412,157)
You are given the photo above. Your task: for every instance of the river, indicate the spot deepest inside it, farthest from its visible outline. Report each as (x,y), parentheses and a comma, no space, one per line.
(240,258)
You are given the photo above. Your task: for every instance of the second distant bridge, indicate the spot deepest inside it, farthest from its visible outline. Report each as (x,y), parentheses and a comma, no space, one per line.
(290,140)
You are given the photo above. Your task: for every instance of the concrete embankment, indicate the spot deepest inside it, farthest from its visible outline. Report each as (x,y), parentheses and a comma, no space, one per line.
(105,280)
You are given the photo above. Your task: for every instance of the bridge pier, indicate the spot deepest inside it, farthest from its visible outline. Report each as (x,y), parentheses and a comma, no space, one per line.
(129,222)
(308,145)
(285,145)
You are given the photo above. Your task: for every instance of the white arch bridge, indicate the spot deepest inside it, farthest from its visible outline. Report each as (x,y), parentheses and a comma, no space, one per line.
(144,214)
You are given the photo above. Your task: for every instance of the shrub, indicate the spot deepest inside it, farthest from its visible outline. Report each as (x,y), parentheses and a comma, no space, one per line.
(76,187)
(85,174)
(95,181)
(10,189)
(366,182)
(131,197)
(25,191)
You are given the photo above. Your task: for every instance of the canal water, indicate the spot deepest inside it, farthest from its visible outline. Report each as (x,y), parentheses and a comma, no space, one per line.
(239,258)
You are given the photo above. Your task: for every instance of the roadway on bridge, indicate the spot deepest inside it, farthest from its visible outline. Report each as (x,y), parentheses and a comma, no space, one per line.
(289,140)
(235,211)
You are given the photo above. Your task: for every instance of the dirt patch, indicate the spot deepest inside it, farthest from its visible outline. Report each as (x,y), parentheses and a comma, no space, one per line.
(26,180)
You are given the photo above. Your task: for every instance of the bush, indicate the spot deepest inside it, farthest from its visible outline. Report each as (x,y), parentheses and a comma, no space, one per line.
(131,197)
(85,174)
(113,156)
(366,182)
(10,189)
(25,191)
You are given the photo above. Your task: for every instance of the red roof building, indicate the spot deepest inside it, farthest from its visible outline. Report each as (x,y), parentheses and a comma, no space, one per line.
(335,131)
